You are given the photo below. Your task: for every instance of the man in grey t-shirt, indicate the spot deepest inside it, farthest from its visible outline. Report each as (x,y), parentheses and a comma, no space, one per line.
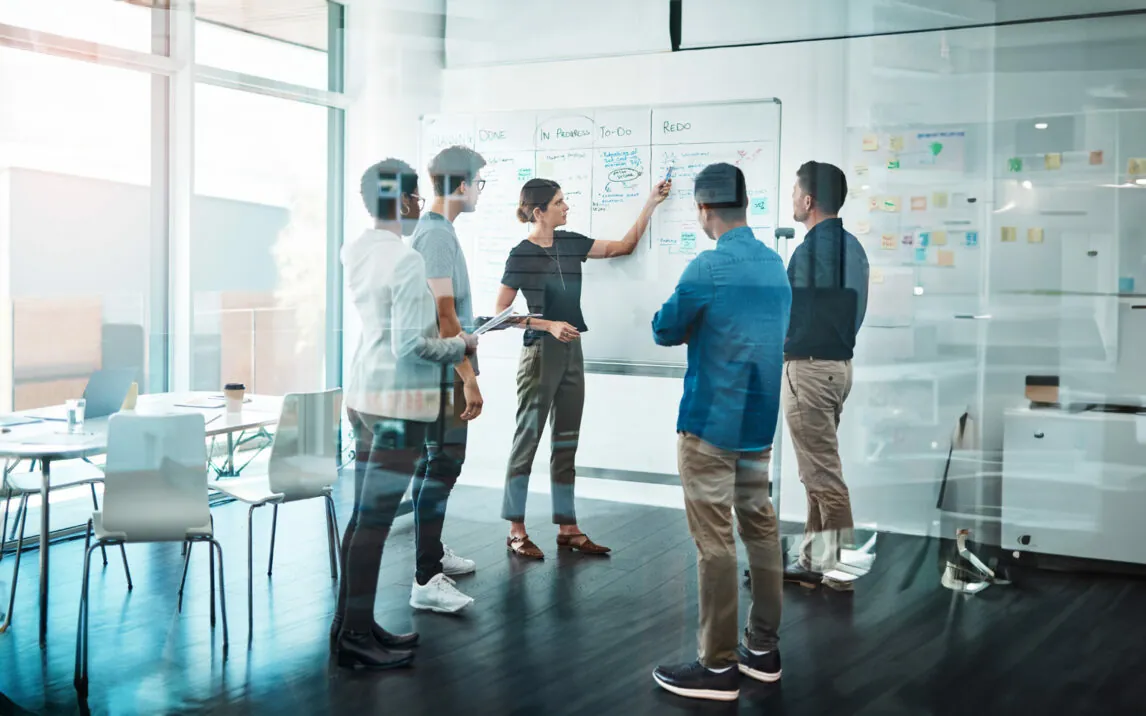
(456,175)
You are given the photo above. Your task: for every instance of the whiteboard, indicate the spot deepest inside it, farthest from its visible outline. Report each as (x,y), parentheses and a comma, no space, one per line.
(606,161)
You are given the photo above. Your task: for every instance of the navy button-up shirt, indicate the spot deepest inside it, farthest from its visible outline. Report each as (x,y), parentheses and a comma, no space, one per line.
(731,307)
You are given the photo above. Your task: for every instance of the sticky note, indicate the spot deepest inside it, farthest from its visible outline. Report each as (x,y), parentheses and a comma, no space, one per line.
(921,254)
(971,239)
(890,204)
(688,240)
(1096,158)
(893,163)
(887,242)
(939,238)
(1053,161)
(861,170)
(1136,166)
(924,239)
(863,228)
(870,142)
(759,205)
(524,174)
(873,203)
(1010,234)
(876,275)
(919,203)
(1034,235)
(1015,164)
(945,257)
(908,240)
(939,200)
(896,143)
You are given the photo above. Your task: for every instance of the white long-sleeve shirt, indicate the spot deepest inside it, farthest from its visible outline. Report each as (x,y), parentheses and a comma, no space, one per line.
(396,371)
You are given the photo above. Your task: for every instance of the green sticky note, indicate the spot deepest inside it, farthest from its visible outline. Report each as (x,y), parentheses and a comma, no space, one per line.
(524,174)
(759,205)
(893,164)
(1015,164)
(687,240)
(936,147)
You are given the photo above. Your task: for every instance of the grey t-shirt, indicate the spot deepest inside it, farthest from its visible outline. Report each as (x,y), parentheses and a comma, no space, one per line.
(436,240)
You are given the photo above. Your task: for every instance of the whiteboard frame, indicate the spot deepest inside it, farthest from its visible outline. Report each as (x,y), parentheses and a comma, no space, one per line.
(652,369)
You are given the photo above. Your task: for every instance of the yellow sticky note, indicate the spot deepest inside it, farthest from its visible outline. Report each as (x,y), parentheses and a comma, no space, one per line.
(887,242)
(890,204)
(1136,166)
(876,275)
(861,170)
(945,257)
(919,203)
(938,238)
(863,228)
(1010,234)
(870,142)
(873,203)
(1034,235)
(896,143)
(939,200)
(1053,161)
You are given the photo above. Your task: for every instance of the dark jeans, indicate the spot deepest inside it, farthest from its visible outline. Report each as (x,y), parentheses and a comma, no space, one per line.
(434,480)
(386,452)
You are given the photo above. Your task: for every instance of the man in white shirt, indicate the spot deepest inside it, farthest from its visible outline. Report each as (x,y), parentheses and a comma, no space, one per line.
(393,399)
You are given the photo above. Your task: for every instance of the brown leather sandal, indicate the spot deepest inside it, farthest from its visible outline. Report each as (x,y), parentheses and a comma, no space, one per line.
(580,542)
(523,547)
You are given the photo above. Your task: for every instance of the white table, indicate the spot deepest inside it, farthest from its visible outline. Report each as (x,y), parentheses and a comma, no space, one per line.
(47,441)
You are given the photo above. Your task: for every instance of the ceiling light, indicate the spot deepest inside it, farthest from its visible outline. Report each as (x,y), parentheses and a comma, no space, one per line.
(1041,125)
(918,291)
(1027,184)
(1140,182)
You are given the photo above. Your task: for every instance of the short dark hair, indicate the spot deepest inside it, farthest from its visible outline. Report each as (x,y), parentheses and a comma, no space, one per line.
(383,186)
(452,167)
(721,188)
(535,194)
(825,183)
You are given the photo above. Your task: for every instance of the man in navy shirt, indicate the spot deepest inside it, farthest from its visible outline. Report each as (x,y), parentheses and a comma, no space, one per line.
(731,307)
(829,275)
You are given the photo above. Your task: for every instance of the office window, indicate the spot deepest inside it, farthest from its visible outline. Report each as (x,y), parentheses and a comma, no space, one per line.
(231,49)
(108,22)
(258,242)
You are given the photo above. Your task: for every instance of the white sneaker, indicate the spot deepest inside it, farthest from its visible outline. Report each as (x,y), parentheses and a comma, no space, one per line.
(439,595)
(453,565)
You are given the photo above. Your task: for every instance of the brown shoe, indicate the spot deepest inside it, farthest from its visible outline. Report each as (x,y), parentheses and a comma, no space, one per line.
(524,547)
(580,543)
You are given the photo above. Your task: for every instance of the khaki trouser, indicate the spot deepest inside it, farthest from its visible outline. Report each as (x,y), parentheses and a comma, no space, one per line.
(813,395)
(715,483)
(550,385)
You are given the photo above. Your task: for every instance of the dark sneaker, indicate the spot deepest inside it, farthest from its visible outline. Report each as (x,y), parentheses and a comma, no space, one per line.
(804,577)
(694,681)
(763,667)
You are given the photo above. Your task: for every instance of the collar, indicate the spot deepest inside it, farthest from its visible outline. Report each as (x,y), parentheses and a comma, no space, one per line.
(434,216)
(733,234)
(826,226)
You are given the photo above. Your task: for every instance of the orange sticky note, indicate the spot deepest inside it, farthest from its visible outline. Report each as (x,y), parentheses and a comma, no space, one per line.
(873,203)
(887,242)
(945,257)
(870,142)
(1034,235)
(919,203)
(1096,158)
(1053,161)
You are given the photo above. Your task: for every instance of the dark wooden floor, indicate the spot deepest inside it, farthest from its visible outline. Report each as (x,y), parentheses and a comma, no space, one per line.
(572,635)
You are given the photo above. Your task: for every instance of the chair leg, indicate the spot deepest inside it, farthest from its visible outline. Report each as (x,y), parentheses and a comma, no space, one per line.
(95,505)
(274,527)
(16,520)
(4,529)
(16,572)
(81,674)
(331,529)
(222,594)
(211,569)
(126,569)
(186,564)
(251,574)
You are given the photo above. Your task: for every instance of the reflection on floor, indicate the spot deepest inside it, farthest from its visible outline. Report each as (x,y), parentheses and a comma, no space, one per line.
(570,635)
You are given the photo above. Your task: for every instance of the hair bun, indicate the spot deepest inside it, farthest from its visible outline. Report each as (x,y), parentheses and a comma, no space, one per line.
(522,216)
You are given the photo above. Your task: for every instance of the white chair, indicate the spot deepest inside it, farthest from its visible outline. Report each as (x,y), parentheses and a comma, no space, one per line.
(155,490)
(70,473)
(303,465)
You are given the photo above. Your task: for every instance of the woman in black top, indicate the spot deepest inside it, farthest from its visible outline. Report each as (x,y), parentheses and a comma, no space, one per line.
(546,267)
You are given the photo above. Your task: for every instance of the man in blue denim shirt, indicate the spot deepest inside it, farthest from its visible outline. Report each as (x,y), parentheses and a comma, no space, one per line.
(731,307)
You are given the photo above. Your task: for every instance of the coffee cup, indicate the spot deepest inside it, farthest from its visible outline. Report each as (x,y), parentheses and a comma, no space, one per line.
(234,393)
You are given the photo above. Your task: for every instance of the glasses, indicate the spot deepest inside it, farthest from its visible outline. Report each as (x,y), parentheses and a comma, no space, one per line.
(421,200)
(480,184)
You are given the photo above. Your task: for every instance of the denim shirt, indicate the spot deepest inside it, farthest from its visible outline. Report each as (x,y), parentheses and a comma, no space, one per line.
(731,307)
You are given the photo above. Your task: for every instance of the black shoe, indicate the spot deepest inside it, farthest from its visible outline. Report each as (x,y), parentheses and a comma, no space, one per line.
(383,637)
(362,651)
(763,667)
(804,577)
(696,682)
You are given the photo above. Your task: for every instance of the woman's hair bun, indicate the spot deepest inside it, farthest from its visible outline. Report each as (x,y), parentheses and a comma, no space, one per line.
(522,216)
